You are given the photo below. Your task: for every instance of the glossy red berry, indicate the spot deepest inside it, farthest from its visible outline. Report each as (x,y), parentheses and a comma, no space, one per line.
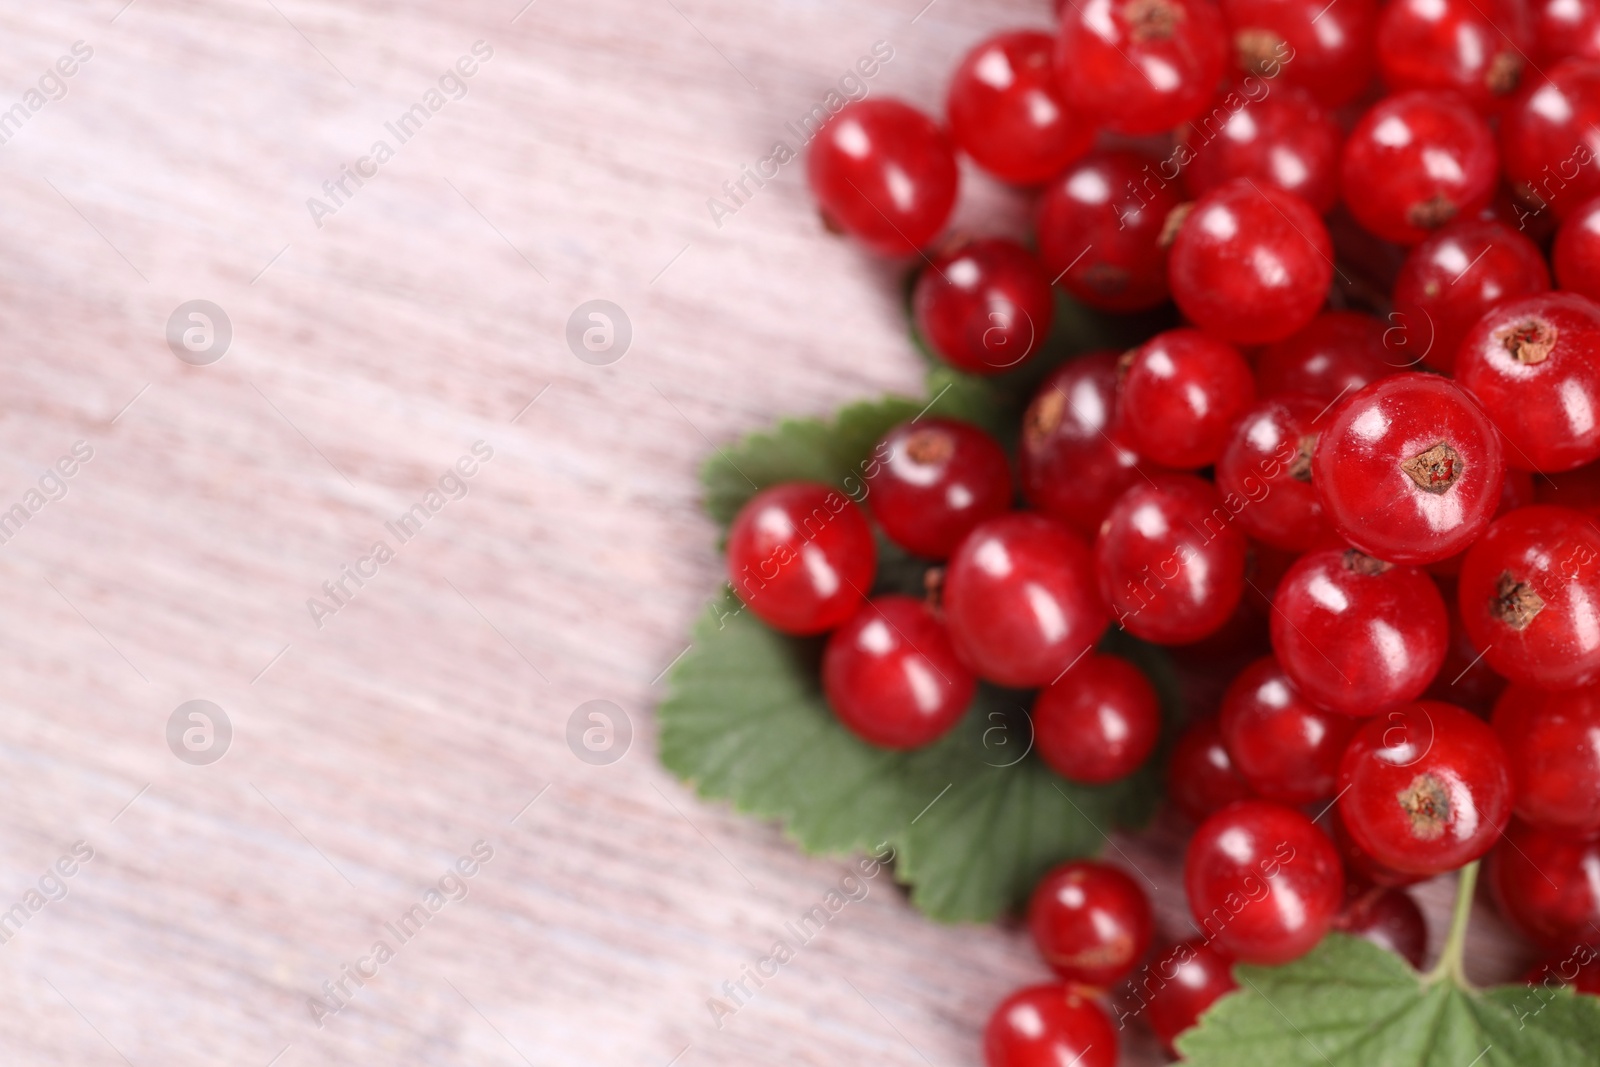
(884,173)
(1534,364)
(1090,922)
(1389,918)
(1357,634)
(983,306)
(1529,591)
(1449,280)
(1475,47)
(1416,161)
(892,677)
(932,480)
(1326,51)
(1547,885)
(1549,139)
(1333,355)
(1409,469)
(1140,66)
(1263,882)
(1201,777)
(1170,560)
(1098,722)
(1552,743)
(1049,1026)
(1020,600)
(1250,263)
(1007,113)
(1280,139)
(1267,466)
(1073,466)
(801,555)
(1182,983)
(1564,29)
(1576,255)
(1425,788)
(1100,226)
(1283,745)
(1182,392)
(1515,492)
(1363,868)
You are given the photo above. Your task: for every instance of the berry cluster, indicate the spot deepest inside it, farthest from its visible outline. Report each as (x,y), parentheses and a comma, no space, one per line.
(1357,501)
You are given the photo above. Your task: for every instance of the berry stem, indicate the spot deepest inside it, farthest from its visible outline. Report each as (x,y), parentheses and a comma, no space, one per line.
(1451,960)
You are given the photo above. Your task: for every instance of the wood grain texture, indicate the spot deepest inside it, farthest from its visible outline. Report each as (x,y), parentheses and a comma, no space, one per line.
(368,354)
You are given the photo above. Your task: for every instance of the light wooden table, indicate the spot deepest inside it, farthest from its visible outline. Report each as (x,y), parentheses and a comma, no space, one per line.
(368,354)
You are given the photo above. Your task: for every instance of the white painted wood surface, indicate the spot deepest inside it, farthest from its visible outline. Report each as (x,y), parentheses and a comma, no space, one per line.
(367,356)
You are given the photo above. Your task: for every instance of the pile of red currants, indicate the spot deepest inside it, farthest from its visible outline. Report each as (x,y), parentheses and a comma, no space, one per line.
(1362,481)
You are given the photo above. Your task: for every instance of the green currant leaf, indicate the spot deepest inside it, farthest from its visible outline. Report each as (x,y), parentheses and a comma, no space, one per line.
(974,819)
(1351,1004)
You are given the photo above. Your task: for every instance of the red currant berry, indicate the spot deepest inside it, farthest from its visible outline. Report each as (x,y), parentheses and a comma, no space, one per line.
(1357,634)
(1528,592)
(1282,140)
(934,480)
(1389,918)
(1409,469)
(1576,255)
(984,306)
(1182,392)
(1140,66)
(1098,722)
(1020,600)
(884,173)
(1073,468)
(892,677)
(802,557)
(1547,885)
(1049,1026)
(1515,492)
(1267,466)
(1327,51)
(1287,748)
(1475,47)
(1534,364)
(1201,777)
(1250,263)
(1006,110)
(1552,743)
(1579,969)
(1186,980)
(1263,882)
(1563,29)
(1335,354)
(1362,867)
(1425,788)
(1101,243)
(1170,559)
(1548,139)
(1465,268)
(1418,159)
(1091,923)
